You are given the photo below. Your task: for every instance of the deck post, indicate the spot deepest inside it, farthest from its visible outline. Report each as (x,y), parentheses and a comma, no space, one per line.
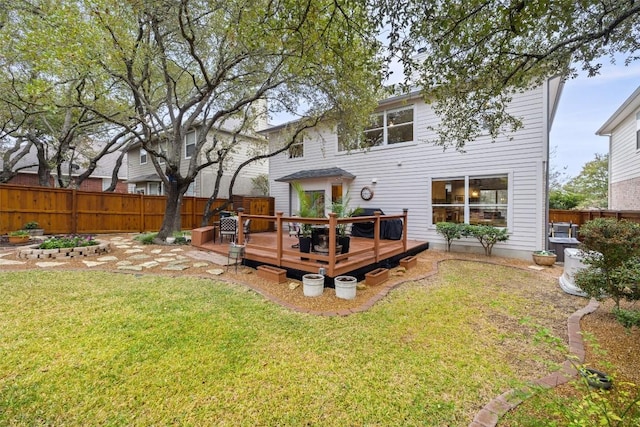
(376,236)
(332,242)
(405,226)
(240,227)
(279,239)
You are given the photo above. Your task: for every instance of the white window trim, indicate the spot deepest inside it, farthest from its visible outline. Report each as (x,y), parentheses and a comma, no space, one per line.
(144,153)
(186,137)
(467,206)
(385,131)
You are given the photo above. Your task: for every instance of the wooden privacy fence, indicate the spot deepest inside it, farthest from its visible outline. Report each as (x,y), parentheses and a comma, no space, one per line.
(63,210)
(580,217)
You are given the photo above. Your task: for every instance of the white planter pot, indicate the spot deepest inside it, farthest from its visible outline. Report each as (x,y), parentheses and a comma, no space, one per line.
(345,286)
(312,285)
(170,240)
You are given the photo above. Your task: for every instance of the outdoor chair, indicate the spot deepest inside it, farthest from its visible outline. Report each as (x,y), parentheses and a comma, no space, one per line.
(246,229)
(294,229)
(229,228)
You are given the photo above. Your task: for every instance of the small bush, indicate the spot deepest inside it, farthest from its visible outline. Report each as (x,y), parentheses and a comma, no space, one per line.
(627,318)
(487,235)
(450,231)
(71,241)
(146,238)
(612,256)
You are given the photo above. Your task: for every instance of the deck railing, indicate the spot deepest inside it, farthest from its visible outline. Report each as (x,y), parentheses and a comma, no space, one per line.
(334,263)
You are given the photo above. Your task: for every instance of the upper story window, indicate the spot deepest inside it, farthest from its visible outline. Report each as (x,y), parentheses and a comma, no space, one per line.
(296,150)
(190,144)
(385,128)
(143,156)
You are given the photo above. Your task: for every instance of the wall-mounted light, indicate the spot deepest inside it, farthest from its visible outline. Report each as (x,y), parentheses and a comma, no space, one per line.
(474,193)
(374,180)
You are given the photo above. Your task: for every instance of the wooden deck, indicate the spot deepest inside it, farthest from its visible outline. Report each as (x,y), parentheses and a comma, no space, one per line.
(278,249)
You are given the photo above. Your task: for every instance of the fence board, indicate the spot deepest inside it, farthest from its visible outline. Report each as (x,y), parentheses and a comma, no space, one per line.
(63,211)
(580,217)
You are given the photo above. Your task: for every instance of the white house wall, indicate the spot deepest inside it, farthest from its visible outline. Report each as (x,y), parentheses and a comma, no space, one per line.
(404,173)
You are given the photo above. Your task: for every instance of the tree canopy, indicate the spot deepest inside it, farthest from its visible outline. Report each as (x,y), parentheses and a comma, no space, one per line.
(475,54)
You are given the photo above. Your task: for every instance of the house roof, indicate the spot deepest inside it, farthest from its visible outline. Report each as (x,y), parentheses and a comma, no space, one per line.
(627,107)
(145,178)
(317,173)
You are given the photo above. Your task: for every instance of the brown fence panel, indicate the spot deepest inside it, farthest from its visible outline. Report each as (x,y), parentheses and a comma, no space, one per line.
(62,210)
(580,217)
(50,207)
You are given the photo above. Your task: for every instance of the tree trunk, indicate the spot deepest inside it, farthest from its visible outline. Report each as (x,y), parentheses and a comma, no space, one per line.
(172,220)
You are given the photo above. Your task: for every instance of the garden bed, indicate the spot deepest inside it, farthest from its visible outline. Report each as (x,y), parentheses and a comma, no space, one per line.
(32,251)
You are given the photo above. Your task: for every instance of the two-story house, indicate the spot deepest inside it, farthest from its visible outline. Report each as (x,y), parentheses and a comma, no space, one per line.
(144,179)
(502,183)
(623,130)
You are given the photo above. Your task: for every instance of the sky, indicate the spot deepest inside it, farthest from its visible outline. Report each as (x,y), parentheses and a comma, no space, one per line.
(585,105)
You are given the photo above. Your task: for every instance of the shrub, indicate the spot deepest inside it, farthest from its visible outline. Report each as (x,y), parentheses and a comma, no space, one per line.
(612,255)
(31,225)
(487,235)
(72,241)
(146,238)
(450,231)
(627,318)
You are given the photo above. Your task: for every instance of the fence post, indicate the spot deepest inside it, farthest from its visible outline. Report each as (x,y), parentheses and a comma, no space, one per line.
(74,211)
(142,228)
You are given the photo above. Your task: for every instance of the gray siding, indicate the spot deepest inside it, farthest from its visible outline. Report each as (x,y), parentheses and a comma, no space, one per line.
(404,173)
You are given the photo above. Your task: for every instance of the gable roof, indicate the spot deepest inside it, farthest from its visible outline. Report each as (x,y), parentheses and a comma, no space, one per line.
(627,107)
(317,173)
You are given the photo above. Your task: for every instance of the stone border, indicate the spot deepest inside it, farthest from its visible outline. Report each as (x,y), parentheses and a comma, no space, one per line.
(32,251)
(490,414)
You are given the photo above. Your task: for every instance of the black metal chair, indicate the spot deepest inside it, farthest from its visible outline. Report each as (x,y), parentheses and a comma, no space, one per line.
(246,229)
(229,228)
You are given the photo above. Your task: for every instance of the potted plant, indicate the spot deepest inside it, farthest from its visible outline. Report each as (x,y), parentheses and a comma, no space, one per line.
(345,286)
(342,210)
(546,258)
(33,228)
(308,209)
(19,236)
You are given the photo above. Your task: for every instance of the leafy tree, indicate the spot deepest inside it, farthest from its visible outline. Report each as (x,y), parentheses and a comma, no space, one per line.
(47,99)
(612,253)
(592,183)
(562,199)
(476,54)
(223,67)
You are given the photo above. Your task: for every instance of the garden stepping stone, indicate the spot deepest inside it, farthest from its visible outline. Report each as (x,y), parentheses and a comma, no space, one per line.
(133,251)
(156,251)
(200,264)
(122,263)
(139,257)
(93,263)
(150,264)
(130,267)
(10,262)
(175,267)
(48,264)
(216,271)
(177,250)
(107,258)
(165,259)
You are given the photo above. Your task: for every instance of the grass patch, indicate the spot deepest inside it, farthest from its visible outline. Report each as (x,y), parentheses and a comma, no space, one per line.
(102,348)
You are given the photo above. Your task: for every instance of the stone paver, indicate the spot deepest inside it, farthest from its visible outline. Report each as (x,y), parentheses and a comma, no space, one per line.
(49,264)
(107,258)
(130,267)
(10,262)
(139,257)
(175,267)
(93,263)
(133,251)
(216,271)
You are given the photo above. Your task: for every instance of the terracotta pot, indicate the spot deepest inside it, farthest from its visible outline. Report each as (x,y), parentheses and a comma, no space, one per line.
(18,239)
(546,260)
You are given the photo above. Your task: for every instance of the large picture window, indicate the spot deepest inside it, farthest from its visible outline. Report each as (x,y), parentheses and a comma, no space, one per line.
(470,199)
(385,128)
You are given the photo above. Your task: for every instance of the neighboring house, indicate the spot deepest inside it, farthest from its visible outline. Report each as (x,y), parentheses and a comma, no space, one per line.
(502,183)
(144,179)
(623,130)
(99,180)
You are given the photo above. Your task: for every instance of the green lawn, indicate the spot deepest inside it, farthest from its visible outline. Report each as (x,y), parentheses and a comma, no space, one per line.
(87,348)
